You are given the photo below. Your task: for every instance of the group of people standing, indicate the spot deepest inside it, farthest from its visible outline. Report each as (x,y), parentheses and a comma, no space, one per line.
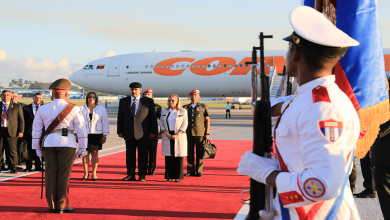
(182,129)
(16,126)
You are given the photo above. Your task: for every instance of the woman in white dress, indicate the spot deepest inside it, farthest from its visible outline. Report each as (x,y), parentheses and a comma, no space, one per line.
(173,125)
(96,124)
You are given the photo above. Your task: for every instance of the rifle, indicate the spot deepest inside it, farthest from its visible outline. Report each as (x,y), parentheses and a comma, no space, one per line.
(261,195)
(289,84)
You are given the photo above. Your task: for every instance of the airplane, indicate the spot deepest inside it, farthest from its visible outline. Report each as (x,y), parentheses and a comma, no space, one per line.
(215,74)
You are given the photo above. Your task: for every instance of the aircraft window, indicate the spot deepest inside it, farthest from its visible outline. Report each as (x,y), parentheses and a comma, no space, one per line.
(86,67)
(167,66)
(246,65)
(182,66)
(209,65)
(188,65)
(156,66)
(235,65)
(198,66)
(172,66)
(214,65)
(91,67)
(127,67)
(151,66)
(224,65)
(193,66)
(204,66)
(162,66)
(177,66)
(230,65)
(240,65)
(146,66)
(219,65)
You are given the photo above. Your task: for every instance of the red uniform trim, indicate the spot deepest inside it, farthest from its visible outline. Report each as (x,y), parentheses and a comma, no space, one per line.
(290,197)
(320,94)
(59,90)
(349,154)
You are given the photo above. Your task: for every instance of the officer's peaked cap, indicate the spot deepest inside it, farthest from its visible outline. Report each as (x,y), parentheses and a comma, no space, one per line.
(315,33)
(61,84)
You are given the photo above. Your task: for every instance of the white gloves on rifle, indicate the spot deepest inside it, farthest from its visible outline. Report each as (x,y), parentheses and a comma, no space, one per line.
(39,153)
(256,167)
(267,215)
(81,153)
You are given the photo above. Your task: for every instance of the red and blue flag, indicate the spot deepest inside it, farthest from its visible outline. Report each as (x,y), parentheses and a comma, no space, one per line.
(361,72)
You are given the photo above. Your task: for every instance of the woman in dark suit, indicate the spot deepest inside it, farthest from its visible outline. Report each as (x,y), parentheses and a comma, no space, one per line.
(174,140)
(96,124)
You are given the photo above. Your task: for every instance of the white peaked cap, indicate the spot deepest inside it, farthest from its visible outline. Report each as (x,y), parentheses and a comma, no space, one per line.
(315,27)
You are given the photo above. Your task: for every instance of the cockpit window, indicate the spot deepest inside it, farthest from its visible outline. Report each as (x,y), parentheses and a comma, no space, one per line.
(88,67)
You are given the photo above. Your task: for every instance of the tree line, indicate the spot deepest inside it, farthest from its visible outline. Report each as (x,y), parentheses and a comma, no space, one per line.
(28,84)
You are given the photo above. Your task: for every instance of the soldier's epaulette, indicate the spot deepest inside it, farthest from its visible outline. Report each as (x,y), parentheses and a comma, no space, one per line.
(320,94)
(186,106)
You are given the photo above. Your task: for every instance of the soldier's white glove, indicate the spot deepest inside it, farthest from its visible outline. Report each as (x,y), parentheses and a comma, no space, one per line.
(39,153)
(256,167)
(267,215)
(81,153)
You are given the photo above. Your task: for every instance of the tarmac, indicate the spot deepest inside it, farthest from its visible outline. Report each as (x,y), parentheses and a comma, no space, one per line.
(239,127)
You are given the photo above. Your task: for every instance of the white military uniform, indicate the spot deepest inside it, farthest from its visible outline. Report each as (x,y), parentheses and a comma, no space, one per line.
(315,139)
(75,121)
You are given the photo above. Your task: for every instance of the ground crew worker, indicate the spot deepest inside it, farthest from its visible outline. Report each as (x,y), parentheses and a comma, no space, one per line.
(228,107)
(197,133)
(316,132)
(60,145)
(153,142)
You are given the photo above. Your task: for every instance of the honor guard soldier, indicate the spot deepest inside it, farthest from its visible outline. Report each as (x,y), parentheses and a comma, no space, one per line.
(197,133)
(316,132)
(153,142)
(61,120)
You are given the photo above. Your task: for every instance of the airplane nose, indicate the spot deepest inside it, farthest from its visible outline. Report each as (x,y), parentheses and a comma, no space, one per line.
(75,78)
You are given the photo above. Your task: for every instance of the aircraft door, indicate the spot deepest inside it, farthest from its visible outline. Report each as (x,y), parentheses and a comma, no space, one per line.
(114,68)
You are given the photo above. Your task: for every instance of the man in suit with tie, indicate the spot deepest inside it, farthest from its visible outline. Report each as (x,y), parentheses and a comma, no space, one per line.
(137,122)
(12,127)
(29,112)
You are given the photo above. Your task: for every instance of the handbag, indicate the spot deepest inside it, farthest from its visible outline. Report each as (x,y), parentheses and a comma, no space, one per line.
(22,150)
(209,150)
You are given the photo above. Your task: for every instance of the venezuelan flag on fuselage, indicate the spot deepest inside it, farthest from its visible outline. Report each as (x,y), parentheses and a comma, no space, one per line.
(361,72)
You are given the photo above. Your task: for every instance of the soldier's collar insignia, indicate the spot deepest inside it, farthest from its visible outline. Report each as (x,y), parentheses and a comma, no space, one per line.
(330,129)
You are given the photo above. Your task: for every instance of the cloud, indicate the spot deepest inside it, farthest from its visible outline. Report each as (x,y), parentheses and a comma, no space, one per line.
(34,69)
(106,54)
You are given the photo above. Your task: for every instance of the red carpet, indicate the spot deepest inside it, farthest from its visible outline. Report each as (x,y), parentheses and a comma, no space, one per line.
(216,195)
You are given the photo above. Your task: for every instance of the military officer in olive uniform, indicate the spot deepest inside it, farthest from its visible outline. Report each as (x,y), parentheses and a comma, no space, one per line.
(197,133)
(59,148)
(153,142)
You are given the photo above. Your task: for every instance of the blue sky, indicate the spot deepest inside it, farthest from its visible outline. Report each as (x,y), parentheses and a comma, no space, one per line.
(45,40)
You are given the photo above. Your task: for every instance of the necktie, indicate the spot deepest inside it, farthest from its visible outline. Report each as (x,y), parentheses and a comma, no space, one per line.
(4,114)
(133,107)
(36,108)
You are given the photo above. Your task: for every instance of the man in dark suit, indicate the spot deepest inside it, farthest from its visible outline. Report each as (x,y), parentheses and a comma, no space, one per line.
(29,112)
(137,123)
(12,127)
(380,159)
